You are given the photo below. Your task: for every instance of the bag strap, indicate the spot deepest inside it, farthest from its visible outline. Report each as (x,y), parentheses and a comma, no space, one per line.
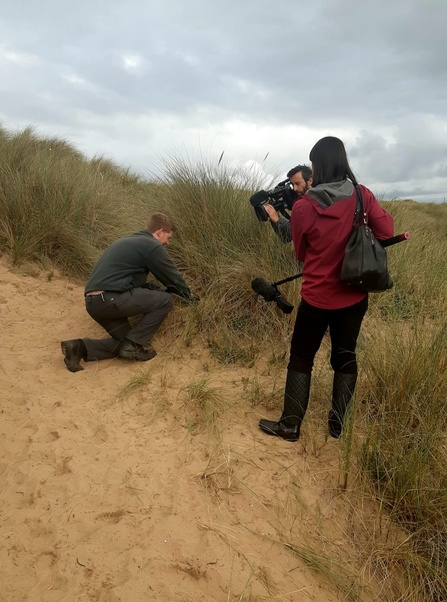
(359,208)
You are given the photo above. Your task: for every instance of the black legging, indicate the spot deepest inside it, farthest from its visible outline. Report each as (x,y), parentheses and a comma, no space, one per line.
(310,326)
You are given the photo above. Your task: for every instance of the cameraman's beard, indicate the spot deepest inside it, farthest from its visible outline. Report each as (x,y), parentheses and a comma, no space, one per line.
(298,195)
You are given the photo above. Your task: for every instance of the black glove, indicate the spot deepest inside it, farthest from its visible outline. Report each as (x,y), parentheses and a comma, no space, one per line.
(183,294)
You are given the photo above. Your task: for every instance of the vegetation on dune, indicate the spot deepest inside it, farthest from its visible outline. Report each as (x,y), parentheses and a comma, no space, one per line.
(56,205)
(58,208)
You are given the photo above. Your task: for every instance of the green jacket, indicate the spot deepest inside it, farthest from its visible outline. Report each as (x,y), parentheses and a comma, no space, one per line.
(126,263)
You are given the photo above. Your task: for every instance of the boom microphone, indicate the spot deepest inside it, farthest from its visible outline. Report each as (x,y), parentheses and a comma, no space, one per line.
(264,288)
(269,292)
(385,243)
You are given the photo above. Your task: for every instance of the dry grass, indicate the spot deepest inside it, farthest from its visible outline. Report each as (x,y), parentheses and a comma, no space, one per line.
(59,209)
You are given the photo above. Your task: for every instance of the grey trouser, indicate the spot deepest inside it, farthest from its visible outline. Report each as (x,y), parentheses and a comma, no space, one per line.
(111,311)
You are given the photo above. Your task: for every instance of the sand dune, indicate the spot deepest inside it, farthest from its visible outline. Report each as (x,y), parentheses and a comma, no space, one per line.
(114,488)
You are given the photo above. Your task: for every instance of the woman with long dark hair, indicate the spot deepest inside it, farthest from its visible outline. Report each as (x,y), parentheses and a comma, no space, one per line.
(321,224)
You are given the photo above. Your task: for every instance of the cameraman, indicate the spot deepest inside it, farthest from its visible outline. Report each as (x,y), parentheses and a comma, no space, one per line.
(301,179)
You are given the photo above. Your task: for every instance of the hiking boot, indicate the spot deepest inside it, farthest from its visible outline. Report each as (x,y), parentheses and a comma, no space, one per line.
(74,351)
(279,429)
(129,350)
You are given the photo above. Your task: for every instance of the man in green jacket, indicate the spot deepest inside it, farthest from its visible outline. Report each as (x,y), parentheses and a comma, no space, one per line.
(117,290)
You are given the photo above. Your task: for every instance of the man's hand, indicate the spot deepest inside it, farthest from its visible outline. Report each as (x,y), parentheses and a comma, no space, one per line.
(190,299)
(184,295)
(272,213)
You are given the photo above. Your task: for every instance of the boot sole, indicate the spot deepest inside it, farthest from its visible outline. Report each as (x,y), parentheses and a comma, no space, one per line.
(70,360)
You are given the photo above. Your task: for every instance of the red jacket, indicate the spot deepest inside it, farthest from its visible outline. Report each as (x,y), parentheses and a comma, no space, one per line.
(320,234)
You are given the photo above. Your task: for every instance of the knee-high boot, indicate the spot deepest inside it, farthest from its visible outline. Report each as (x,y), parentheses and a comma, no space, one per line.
(342,392)
(296,398)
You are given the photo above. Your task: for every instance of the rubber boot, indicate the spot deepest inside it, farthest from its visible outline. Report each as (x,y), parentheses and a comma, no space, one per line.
(342,392)
(74,351)
(296,398)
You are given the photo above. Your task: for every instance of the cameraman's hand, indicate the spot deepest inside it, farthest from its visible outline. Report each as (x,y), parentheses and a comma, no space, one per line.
(272,213)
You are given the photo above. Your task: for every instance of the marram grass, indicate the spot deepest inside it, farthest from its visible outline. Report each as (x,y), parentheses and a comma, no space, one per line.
(62,210)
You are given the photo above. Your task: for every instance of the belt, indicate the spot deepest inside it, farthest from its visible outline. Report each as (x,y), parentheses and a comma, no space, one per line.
(89,297)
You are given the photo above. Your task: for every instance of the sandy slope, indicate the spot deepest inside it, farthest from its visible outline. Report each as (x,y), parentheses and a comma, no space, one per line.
(111,497)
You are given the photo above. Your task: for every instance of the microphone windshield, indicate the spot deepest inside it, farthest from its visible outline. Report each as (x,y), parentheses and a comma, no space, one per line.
(259,198)
(264,288)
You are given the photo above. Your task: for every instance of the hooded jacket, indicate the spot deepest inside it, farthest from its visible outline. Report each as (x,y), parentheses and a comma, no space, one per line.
(321,224)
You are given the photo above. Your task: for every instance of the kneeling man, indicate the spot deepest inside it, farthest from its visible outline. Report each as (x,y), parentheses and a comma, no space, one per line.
(117,290)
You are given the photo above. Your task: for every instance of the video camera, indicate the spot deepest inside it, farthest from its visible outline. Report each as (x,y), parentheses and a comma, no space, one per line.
(280,198)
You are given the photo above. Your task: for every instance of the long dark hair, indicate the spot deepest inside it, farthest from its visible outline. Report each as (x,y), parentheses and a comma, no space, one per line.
(330,162)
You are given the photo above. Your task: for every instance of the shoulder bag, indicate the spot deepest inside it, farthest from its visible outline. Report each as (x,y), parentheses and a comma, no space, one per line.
(365,262)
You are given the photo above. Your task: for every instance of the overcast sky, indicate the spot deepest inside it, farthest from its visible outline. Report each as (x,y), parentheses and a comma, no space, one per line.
(138,80)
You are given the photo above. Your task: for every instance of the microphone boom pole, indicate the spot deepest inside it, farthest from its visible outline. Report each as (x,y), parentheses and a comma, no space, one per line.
(385,243)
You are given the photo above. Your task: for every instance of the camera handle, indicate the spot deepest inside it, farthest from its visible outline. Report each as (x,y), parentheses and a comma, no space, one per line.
(285,213)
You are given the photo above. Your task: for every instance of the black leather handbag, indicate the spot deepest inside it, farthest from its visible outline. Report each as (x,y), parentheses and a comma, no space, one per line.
(365,263)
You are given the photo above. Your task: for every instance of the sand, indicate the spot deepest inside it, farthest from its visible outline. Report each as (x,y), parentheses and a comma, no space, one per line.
(116,485)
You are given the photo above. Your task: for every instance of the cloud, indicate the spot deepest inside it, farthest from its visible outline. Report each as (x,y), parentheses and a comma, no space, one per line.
(18,58)
(416,149)
(74,79)
(135,81)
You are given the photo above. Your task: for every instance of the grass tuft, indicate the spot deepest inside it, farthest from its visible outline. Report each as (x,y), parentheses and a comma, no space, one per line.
(61,210)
